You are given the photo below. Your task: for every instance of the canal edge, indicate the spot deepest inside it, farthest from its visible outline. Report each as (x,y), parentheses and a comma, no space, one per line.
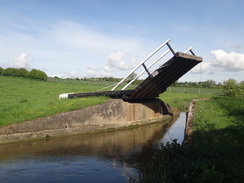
(114,114)
(189,120)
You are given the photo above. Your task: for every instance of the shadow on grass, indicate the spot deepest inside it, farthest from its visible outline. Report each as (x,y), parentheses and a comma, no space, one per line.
(215,155)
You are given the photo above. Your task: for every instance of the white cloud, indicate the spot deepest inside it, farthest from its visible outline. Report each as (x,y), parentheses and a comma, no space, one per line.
(114,62)
(201,68)
(105,74)
(73,74)
(62,46)
(115,56)
(222,61)
(134,62)
(90,73)
(22,62)
(122,66)
(108,69)
(227,61)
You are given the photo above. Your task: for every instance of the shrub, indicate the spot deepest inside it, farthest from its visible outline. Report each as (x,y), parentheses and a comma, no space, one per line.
(1,70)
(37,74)
(10,72)
(231,88)
(22,72)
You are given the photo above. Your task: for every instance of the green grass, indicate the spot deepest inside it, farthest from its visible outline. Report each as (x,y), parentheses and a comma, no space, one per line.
(182,100)
(102,85)
(23,99)
(211,91)
(225,112)
(216,153)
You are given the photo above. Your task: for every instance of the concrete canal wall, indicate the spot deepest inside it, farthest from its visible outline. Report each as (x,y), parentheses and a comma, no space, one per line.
(112,114)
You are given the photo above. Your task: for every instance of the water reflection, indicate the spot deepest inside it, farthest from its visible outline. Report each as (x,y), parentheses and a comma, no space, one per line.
(176,131)
(99,157)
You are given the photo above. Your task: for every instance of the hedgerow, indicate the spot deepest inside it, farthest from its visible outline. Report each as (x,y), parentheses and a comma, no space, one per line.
(22,72)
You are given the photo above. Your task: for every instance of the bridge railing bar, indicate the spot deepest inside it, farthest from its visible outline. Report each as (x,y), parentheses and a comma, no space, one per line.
(190,49)
(145,67)
(166,42)
(192,53)
(165,53)
(170,48)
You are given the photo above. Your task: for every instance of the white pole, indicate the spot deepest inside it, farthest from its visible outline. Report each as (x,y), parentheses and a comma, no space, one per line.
(165,53)
(140,64)
(188,49)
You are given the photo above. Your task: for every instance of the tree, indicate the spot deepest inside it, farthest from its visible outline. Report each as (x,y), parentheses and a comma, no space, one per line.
(10,72)
(37,74)
(22,72)
(1,70)
(210,83)
(231,88)
(131,77)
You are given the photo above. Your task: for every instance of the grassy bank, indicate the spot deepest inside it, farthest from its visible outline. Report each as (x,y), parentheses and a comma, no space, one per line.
(216,152)
(181,100)
(24,99)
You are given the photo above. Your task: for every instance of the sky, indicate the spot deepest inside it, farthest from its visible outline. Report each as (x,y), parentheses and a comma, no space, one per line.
(108,38)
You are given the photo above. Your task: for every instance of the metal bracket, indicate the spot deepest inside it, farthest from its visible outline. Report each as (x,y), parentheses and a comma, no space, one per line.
(170,48)
(147,70)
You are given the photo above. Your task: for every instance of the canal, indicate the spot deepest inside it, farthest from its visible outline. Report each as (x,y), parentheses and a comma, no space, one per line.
(115,156)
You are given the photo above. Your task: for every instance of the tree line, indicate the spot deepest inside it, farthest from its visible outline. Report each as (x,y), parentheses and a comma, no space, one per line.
(230,87)
(200,84)
(22,72)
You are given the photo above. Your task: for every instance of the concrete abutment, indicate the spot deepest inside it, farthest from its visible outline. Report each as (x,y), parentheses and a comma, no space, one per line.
(112,114)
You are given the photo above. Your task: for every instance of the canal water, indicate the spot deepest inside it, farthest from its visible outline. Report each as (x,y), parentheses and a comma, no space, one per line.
(115,156)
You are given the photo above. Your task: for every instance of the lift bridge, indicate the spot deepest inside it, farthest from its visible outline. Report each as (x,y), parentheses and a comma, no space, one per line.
(157,81)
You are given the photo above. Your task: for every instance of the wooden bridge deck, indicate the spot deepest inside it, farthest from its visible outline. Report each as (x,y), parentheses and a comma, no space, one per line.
(157,82)
(166,75)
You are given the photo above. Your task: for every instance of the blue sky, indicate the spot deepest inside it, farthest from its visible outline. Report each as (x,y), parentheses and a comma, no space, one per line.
(96,38)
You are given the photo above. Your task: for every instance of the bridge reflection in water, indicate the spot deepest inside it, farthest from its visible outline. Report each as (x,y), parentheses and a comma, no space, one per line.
(100,157)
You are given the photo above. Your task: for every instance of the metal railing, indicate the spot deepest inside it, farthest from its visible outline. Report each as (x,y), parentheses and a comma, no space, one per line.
(190,50)
(142,64)
(146,68)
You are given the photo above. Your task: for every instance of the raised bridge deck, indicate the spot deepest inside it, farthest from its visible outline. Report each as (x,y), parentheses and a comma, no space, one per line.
(157,82)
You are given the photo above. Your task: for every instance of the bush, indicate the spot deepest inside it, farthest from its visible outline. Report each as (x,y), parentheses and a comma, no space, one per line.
(10,72)
(37,74)
(1,70)
(232,89)
(22,72)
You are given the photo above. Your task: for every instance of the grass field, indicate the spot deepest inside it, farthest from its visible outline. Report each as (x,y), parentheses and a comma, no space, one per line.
(216,152)
(24,99)
(181,100)
(210,91)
